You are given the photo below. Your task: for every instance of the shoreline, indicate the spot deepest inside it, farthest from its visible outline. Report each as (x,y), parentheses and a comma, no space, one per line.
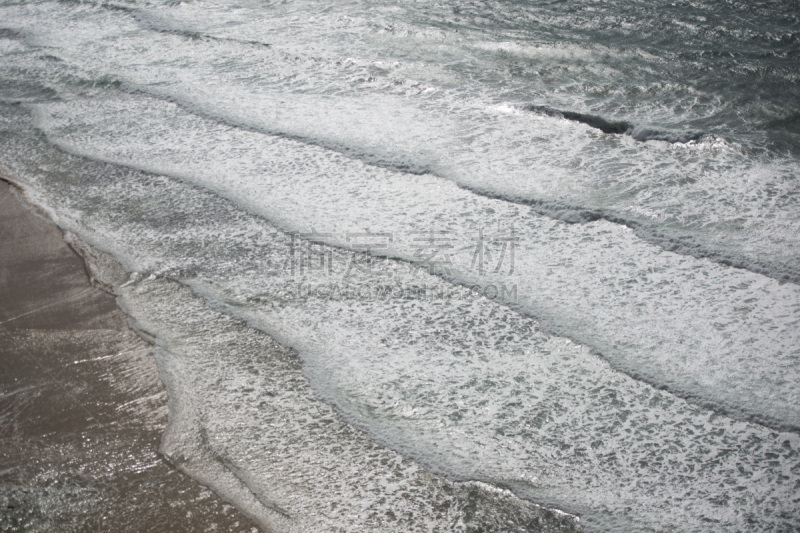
(286,497)
(82,400)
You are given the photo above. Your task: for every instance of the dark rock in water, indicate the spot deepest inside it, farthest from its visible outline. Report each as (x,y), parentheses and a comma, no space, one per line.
(615,127)
(618,127)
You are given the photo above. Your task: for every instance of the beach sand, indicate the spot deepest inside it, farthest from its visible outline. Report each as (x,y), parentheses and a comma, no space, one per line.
(82,408)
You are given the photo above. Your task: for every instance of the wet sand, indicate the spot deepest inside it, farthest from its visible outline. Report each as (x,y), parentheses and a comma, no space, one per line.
(82,408)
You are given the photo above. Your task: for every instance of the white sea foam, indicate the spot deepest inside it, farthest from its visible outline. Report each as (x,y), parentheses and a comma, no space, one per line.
(729,351)
(294,147)
(461,383)
(726,204)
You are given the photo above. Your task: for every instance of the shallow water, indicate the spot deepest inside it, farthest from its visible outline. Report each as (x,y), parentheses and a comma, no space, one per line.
(549,248)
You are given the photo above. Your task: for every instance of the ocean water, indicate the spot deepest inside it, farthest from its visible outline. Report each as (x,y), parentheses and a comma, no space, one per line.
(441,266)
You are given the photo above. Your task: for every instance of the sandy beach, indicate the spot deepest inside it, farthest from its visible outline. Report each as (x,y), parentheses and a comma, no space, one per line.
(81,404)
